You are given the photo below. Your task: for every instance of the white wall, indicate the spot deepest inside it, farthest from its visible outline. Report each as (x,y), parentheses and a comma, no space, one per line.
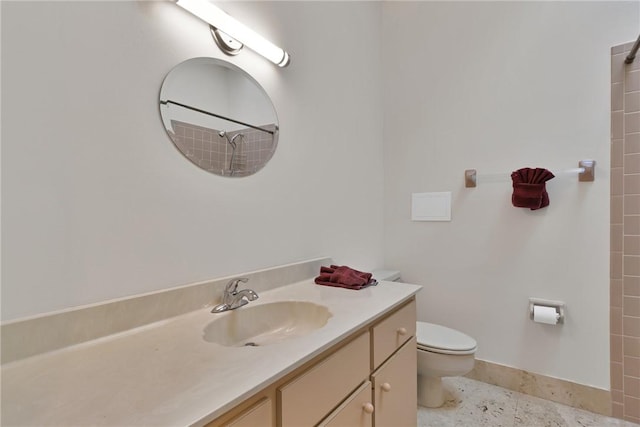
(496,87)
(93,211)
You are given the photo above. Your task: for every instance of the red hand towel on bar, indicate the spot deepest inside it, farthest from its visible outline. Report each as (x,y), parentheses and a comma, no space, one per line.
(529,189)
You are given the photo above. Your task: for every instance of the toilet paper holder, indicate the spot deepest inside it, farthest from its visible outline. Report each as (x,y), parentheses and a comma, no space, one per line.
(557,305)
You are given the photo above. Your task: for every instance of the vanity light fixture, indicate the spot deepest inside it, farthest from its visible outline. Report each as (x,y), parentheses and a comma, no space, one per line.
(230,35)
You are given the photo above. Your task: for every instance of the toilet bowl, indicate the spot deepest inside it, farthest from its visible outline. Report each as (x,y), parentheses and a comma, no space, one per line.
(442,352)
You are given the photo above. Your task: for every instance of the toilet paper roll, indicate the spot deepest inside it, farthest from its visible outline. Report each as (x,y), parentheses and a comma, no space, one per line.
(542,314)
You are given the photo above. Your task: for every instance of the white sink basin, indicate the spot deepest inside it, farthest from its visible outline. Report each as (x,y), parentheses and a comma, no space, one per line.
(265,324)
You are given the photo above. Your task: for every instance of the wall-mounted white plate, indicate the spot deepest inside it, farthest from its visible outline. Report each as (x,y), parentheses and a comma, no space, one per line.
(431,206)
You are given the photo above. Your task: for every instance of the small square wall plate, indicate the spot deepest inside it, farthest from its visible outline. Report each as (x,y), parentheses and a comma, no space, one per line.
(431,206)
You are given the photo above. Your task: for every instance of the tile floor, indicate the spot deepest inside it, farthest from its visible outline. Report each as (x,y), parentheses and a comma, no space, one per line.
(472,403)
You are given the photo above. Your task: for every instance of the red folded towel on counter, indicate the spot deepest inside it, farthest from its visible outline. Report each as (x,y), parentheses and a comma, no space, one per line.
(344,277)
(529,188)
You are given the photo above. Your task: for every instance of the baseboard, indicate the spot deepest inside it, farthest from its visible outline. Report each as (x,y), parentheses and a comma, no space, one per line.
(566,392)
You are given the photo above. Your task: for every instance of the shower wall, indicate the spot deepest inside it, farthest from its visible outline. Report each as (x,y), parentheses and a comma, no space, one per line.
(625,235)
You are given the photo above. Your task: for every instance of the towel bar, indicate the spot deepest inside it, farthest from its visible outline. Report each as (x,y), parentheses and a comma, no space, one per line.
(585,171)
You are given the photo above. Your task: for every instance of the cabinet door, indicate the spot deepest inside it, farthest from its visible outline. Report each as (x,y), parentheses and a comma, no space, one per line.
(357,411)
(395,389)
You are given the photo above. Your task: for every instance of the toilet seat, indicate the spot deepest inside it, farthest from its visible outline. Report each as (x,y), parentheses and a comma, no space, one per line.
(440,339)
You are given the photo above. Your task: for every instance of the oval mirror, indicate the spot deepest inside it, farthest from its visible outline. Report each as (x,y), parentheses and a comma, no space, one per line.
(219,117)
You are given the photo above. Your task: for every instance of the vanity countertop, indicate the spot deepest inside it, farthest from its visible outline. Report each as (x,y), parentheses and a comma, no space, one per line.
(167,374)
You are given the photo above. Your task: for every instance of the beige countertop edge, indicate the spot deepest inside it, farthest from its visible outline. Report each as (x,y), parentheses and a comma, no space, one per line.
(166,374)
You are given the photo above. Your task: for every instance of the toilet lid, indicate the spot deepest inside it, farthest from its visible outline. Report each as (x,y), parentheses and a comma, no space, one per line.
(440,339)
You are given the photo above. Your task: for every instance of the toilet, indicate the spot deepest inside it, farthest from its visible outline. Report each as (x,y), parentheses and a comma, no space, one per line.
(442,352)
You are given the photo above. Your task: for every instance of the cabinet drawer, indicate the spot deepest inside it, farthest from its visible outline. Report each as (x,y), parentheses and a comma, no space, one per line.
(395,386)
(357,411)
(311,396)
(392,332)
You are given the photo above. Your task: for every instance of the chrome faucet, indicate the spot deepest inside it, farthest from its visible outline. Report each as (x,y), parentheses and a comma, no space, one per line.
(233,298)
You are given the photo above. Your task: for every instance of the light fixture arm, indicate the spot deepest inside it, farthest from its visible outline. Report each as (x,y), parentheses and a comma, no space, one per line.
(225,42)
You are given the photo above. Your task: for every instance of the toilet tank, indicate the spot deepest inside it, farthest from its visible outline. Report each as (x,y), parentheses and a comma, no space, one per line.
(387,275)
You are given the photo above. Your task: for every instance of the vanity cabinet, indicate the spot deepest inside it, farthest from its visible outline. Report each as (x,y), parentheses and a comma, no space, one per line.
(367,380)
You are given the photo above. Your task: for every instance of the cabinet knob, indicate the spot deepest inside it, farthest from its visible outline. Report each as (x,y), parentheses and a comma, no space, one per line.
(368,408)
(402,331)
(386,386)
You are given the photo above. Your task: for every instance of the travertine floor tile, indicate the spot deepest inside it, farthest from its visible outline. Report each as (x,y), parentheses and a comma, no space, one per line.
(471,403)
(537,412)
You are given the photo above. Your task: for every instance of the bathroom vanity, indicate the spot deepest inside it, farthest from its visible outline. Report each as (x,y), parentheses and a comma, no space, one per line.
(368,379)
(357,369)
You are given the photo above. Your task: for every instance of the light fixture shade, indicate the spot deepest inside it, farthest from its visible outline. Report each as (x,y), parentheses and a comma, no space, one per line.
(225,23)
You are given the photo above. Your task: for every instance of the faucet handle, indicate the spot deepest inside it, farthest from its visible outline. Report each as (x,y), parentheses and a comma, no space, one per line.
(232,286)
